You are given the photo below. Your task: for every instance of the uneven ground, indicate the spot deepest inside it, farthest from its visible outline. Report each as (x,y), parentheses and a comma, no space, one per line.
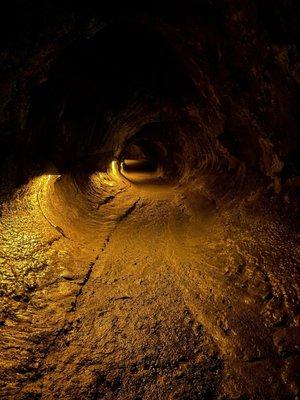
(151,296)
(149,190)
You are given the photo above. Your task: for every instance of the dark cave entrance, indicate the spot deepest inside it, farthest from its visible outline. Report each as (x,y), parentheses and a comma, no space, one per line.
(99,93)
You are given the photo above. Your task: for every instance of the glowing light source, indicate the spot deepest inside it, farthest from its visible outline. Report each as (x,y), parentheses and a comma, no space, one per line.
(114,168)
(114,172)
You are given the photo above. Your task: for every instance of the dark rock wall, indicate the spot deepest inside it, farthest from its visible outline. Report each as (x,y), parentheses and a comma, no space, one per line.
(220,76)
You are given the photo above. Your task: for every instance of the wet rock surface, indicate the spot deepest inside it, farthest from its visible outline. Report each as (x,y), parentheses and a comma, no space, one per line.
(199,308)
(177,278)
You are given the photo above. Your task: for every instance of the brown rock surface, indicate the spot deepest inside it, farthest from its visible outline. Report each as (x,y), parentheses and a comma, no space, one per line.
(149,187)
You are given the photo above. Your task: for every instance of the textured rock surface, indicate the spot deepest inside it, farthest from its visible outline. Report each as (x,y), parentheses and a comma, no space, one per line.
(178,283)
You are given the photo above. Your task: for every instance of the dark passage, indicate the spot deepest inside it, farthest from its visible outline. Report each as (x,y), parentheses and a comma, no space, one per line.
(149,198)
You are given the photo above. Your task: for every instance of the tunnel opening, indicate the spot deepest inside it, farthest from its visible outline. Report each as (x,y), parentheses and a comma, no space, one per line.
(157,225)
(76,119)
(139,165)
(148,154)
(115,96)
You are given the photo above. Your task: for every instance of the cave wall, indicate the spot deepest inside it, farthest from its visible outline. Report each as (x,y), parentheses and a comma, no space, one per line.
(235,127)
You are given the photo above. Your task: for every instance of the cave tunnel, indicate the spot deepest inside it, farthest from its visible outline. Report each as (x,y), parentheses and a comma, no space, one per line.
(149,201)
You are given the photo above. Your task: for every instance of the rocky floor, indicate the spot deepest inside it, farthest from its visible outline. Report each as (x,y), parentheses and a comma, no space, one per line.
(150,293)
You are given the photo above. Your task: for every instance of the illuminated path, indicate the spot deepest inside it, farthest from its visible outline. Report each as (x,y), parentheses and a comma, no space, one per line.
(148,201)
(127,291)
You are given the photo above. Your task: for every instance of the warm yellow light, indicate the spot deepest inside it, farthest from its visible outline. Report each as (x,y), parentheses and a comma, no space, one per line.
(114,168)
(114,172)
(54,175)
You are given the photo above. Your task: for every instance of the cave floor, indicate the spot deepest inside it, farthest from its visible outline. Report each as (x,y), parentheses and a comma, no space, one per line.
(158,298)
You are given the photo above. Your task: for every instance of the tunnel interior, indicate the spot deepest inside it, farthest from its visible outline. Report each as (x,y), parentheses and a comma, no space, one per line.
(149,196)
(125,73)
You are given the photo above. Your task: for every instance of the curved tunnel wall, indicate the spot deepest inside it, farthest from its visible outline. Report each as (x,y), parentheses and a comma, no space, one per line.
(194,78)
(103,91)
(198,245)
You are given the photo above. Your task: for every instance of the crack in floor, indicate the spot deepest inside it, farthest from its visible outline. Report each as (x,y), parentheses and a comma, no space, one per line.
(125,215)
(67,326)
(110,198)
